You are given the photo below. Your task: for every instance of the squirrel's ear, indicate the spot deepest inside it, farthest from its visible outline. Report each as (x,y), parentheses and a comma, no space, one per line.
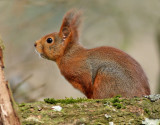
(65,27)
(64,32)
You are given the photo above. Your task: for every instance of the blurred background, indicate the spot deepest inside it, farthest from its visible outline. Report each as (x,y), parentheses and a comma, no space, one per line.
(132,26)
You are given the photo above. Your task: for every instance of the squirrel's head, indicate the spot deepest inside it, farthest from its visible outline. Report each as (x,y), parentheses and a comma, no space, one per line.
(52,46)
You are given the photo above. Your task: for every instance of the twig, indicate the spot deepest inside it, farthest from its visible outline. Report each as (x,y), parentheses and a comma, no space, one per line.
(20,83)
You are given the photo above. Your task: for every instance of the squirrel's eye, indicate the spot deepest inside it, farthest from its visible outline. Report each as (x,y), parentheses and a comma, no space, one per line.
(49,40)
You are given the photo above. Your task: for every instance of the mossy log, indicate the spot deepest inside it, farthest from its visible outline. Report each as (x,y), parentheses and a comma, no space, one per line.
(87,111)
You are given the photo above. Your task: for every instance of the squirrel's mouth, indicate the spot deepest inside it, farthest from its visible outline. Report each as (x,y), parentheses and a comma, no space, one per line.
(42,55)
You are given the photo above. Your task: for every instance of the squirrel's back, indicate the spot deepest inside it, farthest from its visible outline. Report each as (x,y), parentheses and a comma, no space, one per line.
(121,68)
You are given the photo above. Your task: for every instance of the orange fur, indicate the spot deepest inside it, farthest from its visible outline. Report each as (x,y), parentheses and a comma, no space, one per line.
(99,72)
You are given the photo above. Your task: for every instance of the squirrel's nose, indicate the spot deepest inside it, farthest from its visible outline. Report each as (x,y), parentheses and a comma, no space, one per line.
(35,44)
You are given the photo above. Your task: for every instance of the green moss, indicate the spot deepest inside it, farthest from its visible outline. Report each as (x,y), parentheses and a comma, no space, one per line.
(118,96)
(116,99)
(24,108)
(117,102)
(147,111)
(89,111)
(64,101)
(117,105)
(22,104)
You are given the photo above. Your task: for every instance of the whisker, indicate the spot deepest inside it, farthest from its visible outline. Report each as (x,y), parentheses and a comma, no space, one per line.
(38,53)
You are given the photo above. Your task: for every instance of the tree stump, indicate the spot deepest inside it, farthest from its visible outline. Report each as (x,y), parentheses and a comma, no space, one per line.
(8,115)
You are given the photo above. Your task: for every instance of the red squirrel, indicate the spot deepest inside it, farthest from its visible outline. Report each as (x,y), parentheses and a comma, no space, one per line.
(101,72)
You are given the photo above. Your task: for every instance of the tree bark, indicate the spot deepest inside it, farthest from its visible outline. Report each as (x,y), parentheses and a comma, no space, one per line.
(8,115)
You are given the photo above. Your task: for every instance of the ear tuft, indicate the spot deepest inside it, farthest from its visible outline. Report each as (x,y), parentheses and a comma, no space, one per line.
(71,22)
(64,30)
